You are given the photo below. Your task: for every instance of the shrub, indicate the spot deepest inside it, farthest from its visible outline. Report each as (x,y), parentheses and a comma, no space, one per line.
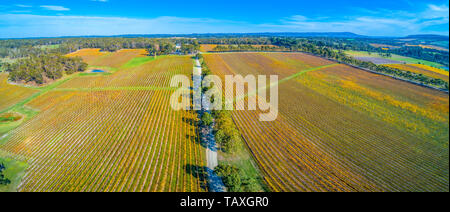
(207,119)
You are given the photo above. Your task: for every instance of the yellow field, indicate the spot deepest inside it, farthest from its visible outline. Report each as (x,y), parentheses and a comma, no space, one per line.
(151,74)
(88,55)
(113,132)
(342,129)
(12,94)
(422,69)
(112,59)
(207,47)
(429,47)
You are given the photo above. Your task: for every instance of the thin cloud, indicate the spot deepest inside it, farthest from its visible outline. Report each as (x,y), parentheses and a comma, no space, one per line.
(442,8)
(24,25)
(55,8)
(434,11)
(376,22)
(21,11)
(23,5)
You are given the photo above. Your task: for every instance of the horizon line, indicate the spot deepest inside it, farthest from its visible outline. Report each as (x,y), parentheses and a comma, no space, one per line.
(166,35)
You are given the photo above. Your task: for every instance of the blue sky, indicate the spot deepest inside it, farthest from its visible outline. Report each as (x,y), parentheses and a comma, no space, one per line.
(50,18)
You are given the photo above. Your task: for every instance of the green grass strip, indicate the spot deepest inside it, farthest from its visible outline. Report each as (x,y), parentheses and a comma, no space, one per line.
(284,80)
(138,61)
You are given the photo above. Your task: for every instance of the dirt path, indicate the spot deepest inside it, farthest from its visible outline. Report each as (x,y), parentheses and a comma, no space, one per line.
(215,183)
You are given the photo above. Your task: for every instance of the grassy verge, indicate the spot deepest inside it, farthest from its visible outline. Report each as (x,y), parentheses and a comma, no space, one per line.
(250,94)
(242,160)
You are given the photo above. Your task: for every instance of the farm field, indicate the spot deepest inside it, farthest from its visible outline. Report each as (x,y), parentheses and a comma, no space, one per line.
(11,94)
(384,45)
(341,128)
(422,69)
(95,57)
(114,132)
(394,57)
(430,47)
(207,47)
(379,60)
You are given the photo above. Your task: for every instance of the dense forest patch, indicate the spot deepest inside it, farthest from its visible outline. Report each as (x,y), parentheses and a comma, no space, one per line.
(42,69)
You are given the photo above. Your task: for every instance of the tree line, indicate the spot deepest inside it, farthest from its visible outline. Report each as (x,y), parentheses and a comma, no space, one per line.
(43,68)
(364,44)
(226,133)
(244,47)
(235,179)
(236,41)
(165,47)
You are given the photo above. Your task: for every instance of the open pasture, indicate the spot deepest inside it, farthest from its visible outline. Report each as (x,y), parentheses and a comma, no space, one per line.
(341,128)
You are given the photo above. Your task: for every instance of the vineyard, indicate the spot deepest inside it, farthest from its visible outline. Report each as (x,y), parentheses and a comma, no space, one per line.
(341,128)
(11,94)
(207,47)
(338,128)
(113,132)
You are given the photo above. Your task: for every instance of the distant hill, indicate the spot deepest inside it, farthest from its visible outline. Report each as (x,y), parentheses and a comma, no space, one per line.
(284,34)
(428,37)
(422,37)
(226,35)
